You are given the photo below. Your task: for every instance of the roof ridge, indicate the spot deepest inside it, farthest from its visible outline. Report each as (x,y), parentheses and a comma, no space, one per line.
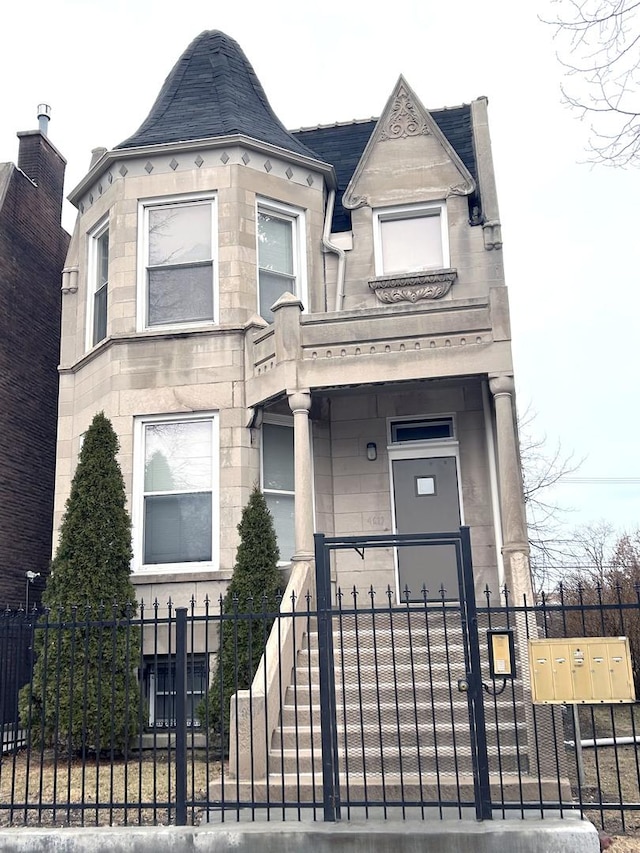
(334,124)
(355,121)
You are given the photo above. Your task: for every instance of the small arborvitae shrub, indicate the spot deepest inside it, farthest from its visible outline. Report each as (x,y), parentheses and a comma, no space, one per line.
(254,591)
(84,694)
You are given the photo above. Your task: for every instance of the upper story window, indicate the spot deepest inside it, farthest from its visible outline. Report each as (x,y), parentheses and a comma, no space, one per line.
(281,262)
(178,257)
(278,485)
(98,279)
(174,491)
(413,238)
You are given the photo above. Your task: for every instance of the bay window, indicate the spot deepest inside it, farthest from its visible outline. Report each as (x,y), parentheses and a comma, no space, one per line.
(175,494)
(278,485)
(98,285)
(178,254)
(281,268)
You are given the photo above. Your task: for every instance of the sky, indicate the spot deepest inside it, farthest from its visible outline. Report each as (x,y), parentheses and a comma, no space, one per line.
(571,244)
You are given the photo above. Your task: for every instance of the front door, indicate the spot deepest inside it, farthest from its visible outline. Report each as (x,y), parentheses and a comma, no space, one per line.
(426,501)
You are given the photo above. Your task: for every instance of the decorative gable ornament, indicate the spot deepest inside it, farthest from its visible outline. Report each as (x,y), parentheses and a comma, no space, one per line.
(404,119)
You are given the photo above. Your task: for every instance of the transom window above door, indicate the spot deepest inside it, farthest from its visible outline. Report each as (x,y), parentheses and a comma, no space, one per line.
(421,429)
(178,256)
(281,268)
(410,239)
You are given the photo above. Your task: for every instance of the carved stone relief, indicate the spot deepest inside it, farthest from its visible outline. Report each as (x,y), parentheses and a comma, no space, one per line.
(404,119)
(413,287)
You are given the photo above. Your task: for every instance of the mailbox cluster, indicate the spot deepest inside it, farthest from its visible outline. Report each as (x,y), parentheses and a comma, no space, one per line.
(581,670)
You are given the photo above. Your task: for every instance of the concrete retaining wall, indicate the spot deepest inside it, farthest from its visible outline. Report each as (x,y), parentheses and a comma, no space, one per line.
(530,836)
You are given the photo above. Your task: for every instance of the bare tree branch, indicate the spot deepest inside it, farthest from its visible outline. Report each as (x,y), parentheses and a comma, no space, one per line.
(542,468)
(599,47)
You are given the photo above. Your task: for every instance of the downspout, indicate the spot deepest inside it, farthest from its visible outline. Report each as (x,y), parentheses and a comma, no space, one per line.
(331,247)
(493,482)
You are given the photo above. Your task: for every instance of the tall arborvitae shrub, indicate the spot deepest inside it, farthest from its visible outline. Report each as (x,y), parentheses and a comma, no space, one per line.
(84,694)
(248,611)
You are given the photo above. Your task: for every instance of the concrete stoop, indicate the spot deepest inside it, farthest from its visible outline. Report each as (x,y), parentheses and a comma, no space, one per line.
(513,836)
(400,721)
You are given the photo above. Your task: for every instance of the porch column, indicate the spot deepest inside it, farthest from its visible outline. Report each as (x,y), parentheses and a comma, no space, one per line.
(515,549)
(300,403)
(514,528)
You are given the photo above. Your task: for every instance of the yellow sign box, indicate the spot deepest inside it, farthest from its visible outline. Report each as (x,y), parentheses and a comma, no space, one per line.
(581,670)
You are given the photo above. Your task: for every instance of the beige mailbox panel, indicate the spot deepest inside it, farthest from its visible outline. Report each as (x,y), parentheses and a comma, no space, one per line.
(581,669)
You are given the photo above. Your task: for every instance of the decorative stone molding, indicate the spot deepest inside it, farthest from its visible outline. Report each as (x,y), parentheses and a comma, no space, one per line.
(405,118)
(413,287)
(299,401)
(70,280)
(492,232)
(502,386)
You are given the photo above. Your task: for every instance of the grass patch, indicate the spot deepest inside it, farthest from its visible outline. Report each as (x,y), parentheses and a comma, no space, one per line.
(97,792)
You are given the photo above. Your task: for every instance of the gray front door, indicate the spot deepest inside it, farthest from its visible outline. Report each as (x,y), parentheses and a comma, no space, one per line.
(426,501)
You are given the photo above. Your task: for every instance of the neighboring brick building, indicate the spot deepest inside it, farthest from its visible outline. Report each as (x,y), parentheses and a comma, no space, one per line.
(33,245)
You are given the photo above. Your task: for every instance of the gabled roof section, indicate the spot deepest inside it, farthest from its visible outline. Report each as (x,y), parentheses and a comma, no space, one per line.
(213,91)
(405,116)
(343,144)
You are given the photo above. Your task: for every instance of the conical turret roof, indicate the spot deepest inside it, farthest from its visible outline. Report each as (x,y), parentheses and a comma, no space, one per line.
(213,91)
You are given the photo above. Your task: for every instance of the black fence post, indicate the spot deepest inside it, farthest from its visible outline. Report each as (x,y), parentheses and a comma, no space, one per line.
(328,725)
(181,716)
(481,784)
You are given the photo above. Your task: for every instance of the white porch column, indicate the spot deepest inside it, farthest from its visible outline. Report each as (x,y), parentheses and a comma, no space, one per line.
(514,528)
(300,404)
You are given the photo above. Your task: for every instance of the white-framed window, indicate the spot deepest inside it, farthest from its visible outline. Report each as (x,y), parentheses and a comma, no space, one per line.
(412,238)
(177,251)
(277,478)
(281,258)
(160,682)
(98,284)
(175,504)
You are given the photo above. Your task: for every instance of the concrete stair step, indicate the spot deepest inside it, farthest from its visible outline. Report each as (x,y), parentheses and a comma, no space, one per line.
(428,788)
(374,760)
(388,692)
(292,737)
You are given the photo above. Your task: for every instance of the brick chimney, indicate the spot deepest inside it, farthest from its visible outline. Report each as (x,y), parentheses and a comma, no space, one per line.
(40,160)
(43,164)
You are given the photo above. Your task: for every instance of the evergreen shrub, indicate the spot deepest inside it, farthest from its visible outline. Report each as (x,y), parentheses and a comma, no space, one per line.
(84,694)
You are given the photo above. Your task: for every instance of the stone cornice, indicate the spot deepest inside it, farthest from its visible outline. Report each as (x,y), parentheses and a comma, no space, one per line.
(142,337)
(110,158)
(413,287)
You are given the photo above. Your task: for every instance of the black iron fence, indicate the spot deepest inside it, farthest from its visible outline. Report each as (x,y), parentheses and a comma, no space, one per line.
(366,704)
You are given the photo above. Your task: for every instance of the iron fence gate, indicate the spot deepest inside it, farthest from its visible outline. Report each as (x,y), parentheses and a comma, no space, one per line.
(354,711)
(387,672)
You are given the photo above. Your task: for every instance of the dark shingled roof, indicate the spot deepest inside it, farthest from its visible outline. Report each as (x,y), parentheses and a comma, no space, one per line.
(342,145)
(212,91)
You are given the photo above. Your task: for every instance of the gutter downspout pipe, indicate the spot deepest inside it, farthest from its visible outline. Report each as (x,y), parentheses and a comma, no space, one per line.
(336,250)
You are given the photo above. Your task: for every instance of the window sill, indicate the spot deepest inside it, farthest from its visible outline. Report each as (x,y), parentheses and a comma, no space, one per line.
(174,575)
(412,287)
